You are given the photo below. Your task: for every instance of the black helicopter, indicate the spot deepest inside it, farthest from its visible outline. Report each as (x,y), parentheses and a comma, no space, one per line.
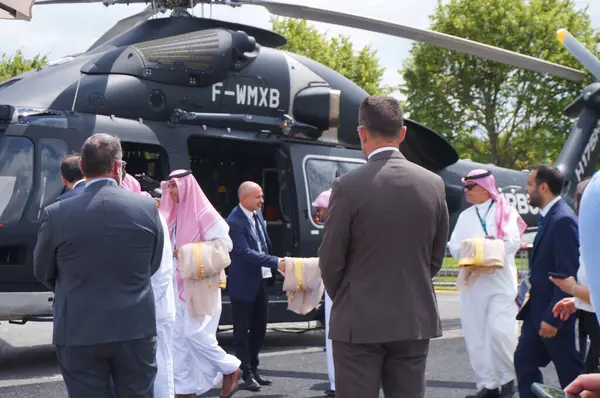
(220,99)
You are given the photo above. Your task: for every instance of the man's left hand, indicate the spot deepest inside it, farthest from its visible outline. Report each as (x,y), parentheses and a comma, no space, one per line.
(547,330)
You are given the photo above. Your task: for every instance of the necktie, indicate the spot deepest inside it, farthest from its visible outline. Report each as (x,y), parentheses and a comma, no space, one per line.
(259,232)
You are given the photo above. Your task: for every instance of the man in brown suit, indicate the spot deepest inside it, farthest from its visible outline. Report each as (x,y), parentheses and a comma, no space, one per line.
(384,240)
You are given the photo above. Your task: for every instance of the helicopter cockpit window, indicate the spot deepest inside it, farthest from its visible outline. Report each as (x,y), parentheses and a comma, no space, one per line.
(320,174)
(51,151)
(16,176)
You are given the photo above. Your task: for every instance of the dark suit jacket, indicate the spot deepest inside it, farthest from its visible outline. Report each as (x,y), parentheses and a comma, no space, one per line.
(97,252)
(244,273)
(384,240)
(72,192)
(555,249)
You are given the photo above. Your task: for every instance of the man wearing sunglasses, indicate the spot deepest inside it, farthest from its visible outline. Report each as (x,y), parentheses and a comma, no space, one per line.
(487,300)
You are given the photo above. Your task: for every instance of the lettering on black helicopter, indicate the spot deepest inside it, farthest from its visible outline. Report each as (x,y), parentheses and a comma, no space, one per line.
(246,94)
(586,155)
(518,200)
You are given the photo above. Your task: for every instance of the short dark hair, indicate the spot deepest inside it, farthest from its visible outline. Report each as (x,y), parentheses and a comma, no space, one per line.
(579,193)
(99,153)
(551,176)
(381,115)
(69,168)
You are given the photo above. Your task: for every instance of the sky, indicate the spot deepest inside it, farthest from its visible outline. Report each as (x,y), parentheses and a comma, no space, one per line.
(59,30)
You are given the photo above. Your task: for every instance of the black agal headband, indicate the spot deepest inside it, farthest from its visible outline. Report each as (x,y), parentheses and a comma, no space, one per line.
(183,174)
(478,176)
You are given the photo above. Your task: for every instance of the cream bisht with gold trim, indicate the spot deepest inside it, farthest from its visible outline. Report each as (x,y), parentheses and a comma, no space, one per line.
(202,266)
(477,256)
(303,284)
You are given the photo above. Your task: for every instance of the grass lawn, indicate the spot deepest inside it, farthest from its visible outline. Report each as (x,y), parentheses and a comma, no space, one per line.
(451,262)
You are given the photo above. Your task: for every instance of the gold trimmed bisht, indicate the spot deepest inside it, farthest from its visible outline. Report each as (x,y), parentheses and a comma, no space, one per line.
(479,256)
(202,266)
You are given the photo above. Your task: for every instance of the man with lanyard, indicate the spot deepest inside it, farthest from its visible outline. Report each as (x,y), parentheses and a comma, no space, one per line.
(487,300)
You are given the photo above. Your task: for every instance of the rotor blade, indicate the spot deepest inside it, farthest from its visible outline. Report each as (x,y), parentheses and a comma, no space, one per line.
(123,25)
(105,2)
(578,50)
(422,35)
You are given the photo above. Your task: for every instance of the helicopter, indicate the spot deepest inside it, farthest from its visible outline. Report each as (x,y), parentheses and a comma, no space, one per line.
(221,99)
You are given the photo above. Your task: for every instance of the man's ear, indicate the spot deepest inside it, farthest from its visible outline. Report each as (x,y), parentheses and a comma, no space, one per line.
(80,166)
(65,182)
(403,133)
(362,135)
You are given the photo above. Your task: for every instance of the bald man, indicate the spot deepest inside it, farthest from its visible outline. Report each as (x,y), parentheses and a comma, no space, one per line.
(252,264)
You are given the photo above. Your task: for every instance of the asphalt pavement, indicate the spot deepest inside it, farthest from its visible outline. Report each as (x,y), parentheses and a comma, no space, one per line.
(293,358)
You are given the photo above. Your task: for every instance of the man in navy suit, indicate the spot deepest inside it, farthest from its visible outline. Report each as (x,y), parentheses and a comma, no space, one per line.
(251,265)
(72,176)
(545,338)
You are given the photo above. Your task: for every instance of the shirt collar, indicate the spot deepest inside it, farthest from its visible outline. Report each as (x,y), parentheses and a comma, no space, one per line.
(248,213)
(546,209)
(87,184)
(484,206)
(383,149)
(79,182)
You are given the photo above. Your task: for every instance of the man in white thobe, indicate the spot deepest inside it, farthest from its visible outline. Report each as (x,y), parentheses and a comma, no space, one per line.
(199,362)
(164,302)
(321,204)
(487,300)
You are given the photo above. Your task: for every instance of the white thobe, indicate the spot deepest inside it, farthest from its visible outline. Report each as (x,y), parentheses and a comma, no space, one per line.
(199,361)
(328,345)
(487,305)
(164,302)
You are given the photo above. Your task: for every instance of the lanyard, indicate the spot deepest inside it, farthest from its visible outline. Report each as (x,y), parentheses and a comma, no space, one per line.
(482,220)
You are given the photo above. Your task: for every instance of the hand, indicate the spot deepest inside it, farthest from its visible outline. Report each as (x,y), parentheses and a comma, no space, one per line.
(564,284)
(564,308)
(176,253)
(547,330)
(281,266)
(587,386)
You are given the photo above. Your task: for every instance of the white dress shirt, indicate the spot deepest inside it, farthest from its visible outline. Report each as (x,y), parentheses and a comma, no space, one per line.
(382,149)
(547,208)
(266,271)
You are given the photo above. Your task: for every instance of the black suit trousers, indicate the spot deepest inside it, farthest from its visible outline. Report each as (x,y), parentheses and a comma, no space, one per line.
(250,328)
(86,370)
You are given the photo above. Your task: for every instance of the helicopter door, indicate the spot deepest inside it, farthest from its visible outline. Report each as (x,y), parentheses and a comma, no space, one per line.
(287,204)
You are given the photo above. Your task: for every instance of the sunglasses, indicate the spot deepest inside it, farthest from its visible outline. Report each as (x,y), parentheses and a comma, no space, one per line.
(123,165)
(470,187)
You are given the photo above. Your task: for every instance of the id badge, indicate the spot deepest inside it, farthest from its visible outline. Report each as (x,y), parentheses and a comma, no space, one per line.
(522,294)
(266,272)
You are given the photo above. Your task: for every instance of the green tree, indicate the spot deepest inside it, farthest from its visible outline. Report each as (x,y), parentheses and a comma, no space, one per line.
(492,112)
(362,67)
(17,64)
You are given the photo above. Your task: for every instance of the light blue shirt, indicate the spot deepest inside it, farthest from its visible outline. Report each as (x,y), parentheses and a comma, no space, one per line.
(589,219)
(87,184)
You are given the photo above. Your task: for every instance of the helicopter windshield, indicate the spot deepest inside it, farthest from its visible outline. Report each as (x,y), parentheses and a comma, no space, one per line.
(16,176)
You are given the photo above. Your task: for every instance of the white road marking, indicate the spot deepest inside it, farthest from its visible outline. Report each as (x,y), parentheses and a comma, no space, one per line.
(32,380)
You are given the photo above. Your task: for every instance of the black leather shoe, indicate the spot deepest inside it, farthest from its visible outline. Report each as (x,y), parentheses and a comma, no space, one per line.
(508,390)
(330,393)
(485,393)
(261,380)
(250,384)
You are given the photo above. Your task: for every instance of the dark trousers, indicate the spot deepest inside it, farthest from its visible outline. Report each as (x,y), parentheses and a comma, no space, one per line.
(588,328)
(249,329)
(535,352)
(397,367)
(86,370)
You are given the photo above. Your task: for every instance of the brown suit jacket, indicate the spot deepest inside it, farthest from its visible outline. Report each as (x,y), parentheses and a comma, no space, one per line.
(384,240)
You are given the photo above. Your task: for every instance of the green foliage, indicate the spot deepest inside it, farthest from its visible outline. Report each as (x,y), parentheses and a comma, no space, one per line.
(362,67)
(489,111)
(17,64)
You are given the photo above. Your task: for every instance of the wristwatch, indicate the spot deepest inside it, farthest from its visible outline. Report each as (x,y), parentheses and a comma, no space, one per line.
(573,290)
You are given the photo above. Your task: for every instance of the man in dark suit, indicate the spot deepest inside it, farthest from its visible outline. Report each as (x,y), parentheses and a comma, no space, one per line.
(251,265)
(545,338)
(97,252)
(384,240)
(72,177)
